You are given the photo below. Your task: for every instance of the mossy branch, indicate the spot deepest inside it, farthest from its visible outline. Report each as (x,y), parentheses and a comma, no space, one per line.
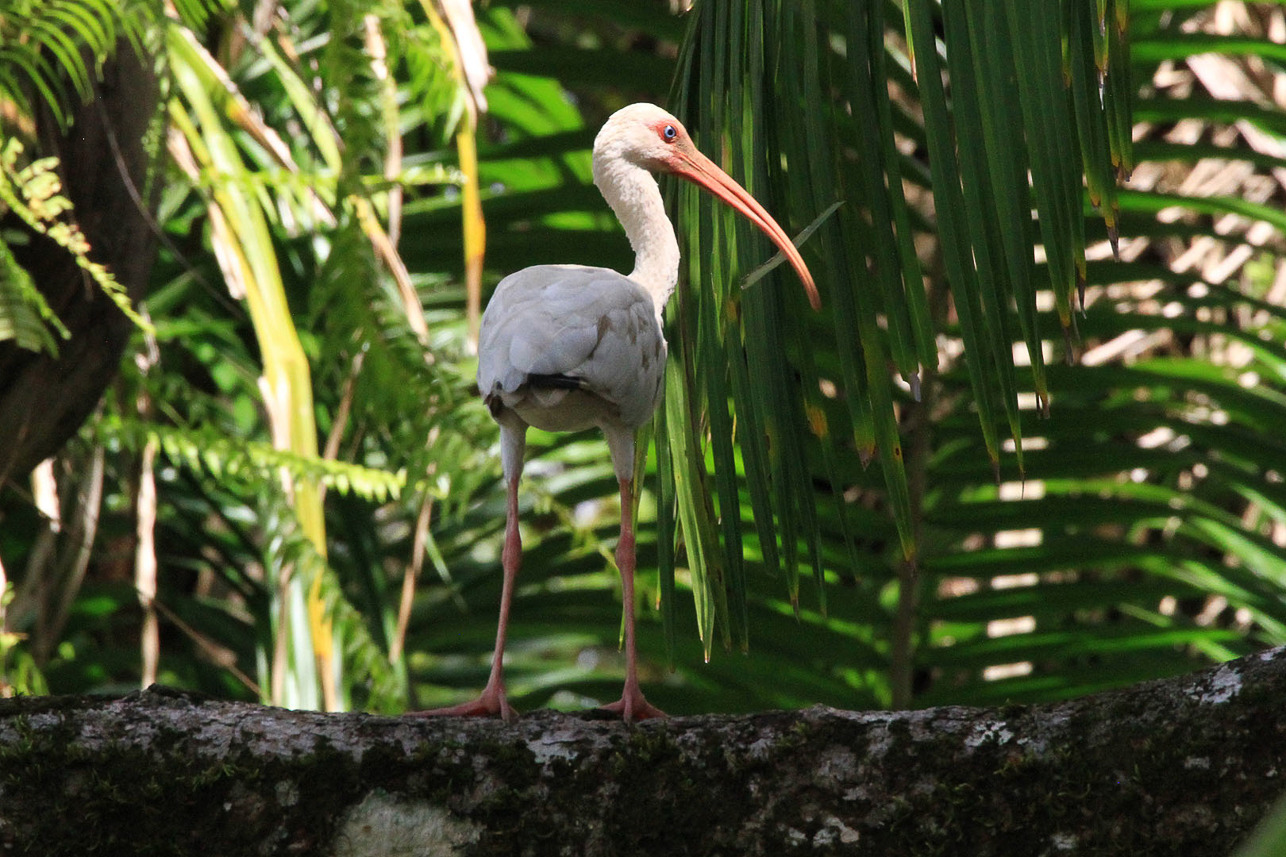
(1183,766)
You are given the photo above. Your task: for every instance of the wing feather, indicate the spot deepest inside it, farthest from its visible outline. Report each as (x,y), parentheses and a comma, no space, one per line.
(592,324)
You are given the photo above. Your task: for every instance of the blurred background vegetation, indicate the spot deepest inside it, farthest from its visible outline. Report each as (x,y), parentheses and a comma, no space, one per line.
(1014,458)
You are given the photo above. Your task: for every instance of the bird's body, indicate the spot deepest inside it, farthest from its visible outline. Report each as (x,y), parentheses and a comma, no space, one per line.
(567,347)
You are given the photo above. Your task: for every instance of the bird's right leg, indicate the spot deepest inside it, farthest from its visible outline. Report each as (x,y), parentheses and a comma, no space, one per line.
(493,700)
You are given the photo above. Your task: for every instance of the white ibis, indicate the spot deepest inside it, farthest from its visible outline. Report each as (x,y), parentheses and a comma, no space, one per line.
(566,347)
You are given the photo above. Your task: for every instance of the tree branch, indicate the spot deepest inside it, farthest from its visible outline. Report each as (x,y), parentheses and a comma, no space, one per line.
(1183,766)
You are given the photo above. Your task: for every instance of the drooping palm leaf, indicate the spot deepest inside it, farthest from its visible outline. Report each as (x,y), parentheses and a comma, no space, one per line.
(1017,99)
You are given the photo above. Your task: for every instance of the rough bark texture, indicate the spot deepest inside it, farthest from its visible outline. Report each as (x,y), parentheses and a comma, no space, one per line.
(1180,767)
(104,161)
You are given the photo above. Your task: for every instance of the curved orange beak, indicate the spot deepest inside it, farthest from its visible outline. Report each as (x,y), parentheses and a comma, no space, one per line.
(690,164)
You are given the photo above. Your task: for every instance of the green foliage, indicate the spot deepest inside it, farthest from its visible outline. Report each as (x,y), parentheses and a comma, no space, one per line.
(1072,527)
(49,48)
(250,464)
(19,675)
(52,50)
(24,313)
(32,192)
(1269,838)
(53,46)
(1082,572)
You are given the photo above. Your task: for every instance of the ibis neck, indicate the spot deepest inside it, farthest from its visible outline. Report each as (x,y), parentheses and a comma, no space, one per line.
(635,198)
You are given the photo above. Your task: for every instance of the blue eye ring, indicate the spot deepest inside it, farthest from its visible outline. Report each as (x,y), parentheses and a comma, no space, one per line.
(669,132)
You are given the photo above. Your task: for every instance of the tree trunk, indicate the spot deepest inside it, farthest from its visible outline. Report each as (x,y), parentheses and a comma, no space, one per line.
(1177,767)
(106,171)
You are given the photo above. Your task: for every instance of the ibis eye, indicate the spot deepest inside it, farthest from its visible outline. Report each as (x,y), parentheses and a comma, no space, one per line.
(669,132)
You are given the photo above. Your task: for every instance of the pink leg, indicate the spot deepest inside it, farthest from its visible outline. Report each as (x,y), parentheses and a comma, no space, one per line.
(631,706)
(493,700)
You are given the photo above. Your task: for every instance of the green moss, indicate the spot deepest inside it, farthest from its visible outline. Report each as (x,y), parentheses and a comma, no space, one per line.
(158,801)
(920,796)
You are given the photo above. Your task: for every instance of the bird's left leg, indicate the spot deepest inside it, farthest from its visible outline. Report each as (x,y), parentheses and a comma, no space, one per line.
(493,700)
(632,705)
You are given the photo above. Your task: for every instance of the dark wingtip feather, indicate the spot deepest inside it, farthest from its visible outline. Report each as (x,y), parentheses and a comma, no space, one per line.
(554,382)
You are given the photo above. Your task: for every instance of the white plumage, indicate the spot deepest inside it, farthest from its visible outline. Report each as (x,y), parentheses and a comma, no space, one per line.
(566,347)
(591,324)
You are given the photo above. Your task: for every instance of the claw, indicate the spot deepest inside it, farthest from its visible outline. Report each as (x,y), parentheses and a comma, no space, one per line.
(492,703)
(633,706)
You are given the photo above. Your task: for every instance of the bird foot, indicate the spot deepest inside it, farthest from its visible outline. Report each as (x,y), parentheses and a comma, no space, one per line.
(490,704)
(632,706)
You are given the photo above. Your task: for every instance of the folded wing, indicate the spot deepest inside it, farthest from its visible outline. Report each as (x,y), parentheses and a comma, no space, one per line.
(553,331)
